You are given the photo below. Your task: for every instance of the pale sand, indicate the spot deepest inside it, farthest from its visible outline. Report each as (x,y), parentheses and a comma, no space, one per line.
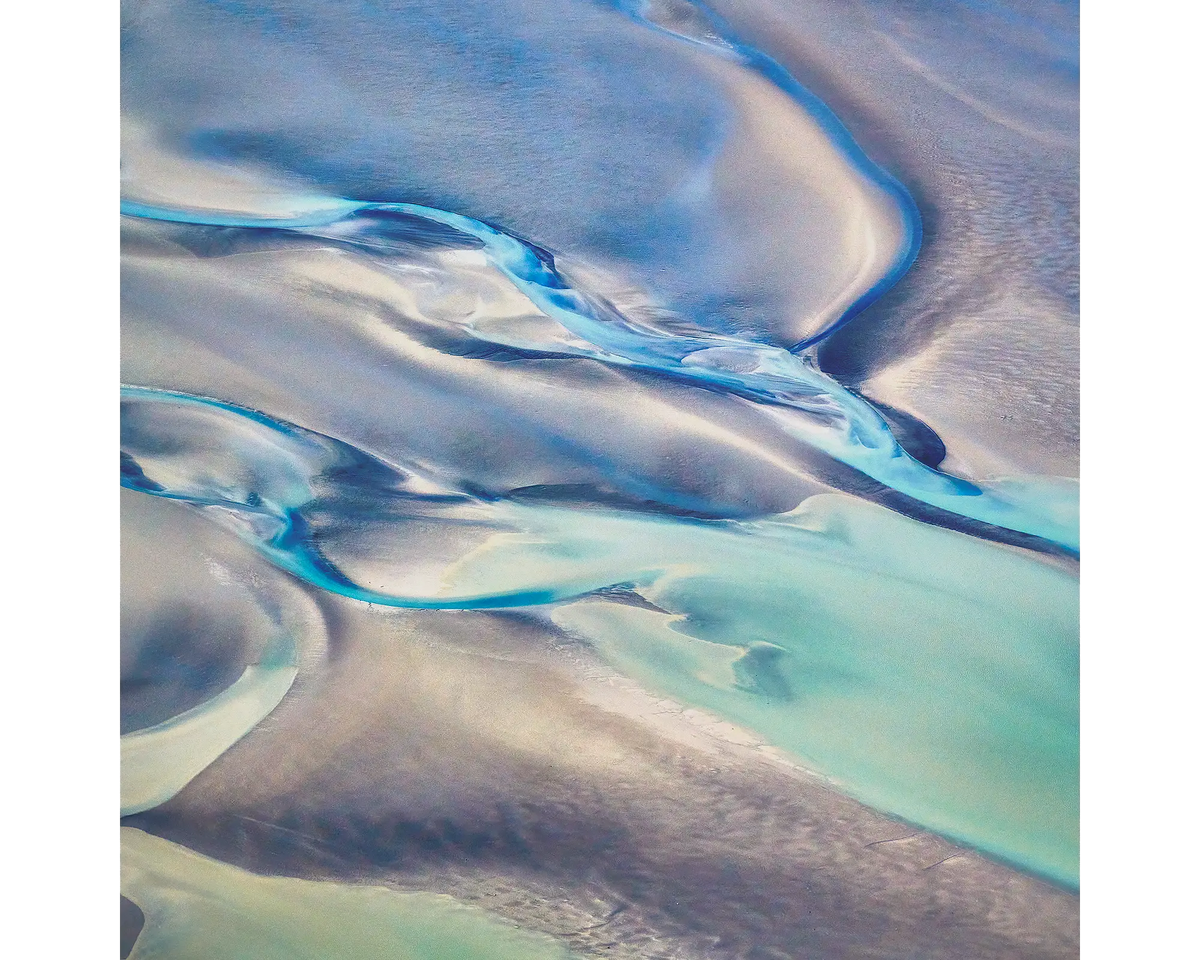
(468,753)
(981,337)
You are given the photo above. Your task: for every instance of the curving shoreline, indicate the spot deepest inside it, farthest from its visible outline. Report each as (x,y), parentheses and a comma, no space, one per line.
(627,371)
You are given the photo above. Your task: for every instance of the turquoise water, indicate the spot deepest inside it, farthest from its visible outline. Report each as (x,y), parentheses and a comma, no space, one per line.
(485,305)
(813,407)
(932,674)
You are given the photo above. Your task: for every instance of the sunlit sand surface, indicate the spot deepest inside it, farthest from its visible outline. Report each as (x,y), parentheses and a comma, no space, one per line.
(600,479)
(203,908)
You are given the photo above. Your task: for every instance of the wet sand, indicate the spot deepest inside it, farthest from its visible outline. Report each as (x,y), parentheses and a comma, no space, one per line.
(467,753)
(713,216)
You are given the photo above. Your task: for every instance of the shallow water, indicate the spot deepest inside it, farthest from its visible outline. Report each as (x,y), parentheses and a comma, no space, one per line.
(581,311)
(919,667)
(198,907)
